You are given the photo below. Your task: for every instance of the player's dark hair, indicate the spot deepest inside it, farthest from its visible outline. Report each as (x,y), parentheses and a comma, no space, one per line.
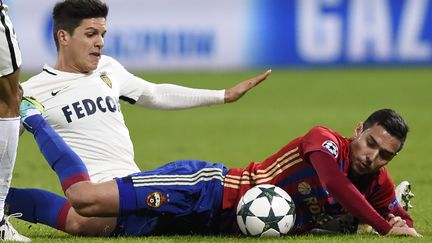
(68,14)
(391,121)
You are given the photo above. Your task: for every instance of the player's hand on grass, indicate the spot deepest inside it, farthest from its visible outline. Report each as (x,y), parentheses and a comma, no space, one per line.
(404,231)
(396,221)
(236,92)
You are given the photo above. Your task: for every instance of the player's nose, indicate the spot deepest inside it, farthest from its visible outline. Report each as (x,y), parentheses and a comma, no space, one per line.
(100,43)
(372,156)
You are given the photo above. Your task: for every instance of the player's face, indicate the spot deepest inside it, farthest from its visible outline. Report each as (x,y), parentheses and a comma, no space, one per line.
(84,46)
(371,149)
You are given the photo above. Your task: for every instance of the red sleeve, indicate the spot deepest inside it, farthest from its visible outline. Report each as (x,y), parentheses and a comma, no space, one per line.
(321,139)
(346,193)
(383,198)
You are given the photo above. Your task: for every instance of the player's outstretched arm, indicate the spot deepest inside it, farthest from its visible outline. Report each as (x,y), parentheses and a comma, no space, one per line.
(236,92)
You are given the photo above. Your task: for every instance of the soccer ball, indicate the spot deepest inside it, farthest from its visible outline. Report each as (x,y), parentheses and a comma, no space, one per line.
(265,210)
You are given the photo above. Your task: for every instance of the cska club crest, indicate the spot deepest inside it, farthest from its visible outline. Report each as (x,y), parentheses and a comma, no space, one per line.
(106,80)
(155,199)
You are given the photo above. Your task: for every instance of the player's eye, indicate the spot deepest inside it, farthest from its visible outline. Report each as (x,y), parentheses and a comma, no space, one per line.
(370,143)
(385,155)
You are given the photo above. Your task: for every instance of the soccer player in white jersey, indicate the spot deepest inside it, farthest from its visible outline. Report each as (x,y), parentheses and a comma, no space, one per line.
(10,97)
(81,93)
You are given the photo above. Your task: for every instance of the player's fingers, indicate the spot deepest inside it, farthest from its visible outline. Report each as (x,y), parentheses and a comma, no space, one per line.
(401,223)
(240,89)
(393,220)
(258,79)
(397,221)
(263,76)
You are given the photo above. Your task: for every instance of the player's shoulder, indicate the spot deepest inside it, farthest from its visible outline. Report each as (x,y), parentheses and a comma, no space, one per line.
(44,82)
(44,76)
(323,131)
(324,139)
(109,62)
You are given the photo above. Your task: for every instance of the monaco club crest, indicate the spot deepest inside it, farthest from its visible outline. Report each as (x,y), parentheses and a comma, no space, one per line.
(106,80)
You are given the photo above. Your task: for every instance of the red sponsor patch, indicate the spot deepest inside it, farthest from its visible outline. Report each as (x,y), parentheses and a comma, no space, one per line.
(155,199)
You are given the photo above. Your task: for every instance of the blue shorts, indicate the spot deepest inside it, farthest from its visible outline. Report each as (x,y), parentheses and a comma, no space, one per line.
(180,197)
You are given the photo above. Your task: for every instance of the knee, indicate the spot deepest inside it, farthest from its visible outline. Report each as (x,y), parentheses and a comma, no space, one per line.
(76,228)
(84,226)
(83,200)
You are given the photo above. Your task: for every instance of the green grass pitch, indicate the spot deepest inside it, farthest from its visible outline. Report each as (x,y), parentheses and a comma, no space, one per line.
(285,106)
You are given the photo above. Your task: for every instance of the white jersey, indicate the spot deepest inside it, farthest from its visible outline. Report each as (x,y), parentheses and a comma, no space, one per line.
(10,54)
(85,110)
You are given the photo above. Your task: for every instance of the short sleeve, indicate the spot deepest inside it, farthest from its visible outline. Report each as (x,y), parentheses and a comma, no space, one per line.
(320,138)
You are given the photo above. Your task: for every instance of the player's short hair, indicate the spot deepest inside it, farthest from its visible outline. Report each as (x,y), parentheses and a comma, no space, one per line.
(391,121)
(68,14)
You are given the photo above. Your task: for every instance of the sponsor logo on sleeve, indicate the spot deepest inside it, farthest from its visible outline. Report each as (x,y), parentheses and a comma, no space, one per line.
(393,204)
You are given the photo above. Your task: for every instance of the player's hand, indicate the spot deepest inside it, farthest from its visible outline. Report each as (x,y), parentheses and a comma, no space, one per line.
(404,231)
(396,221)
(236,92)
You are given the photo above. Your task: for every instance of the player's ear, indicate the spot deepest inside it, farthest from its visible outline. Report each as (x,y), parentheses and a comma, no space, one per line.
(358,129)
(63,37)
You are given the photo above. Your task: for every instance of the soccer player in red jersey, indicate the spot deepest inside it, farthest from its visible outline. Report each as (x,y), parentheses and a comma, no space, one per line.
(327,175)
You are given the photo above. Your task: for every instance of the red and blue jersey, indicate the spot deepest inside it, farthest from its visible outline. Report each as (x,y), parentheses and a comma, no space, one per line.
(291,169)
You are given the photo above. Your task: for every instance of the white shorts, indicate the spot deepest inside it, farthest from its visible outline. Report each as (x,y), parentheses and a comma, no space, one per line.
(10,53)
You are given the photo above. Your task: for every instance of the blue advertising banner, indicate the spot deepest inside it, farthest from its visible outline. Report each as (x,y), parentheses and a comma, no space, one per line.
(244,34)
(349,32)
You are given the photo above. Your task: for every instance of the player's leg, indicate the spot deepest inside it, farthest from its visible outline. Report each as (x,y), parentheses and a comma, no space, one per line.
(177,198)
(10,95)
(102,199)
(87,198)
(81,193)
(89,226)
(40,206)
(181,188)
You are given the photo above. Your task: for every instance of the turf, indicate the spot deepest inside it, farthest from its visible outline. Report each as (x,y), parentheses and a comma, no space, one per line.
(283,107)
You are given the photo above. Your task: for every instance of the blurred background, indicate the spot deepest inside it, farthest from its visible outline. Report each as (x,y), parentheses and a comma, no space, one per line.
(148,35)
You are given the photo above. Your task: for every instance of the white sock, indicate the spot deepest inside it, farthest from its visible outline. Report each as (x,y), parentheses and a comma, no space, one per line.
(9,132)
